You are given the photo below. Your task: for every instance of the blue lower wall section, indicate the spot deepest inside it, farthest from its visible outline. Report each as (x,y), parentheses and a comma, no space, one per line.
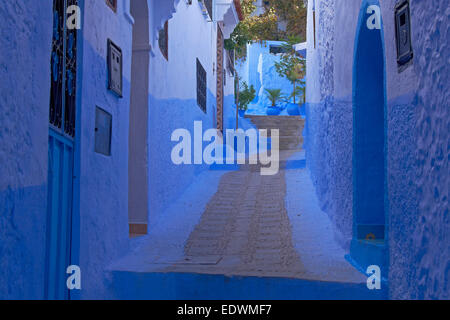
(409,251)
(403,199)
(167,180)
(103,180)
(22,246)
(328,144)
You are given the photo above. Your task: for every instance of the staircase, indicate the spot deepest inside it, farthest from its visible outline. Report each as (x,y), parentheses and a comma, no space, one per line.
(291,129)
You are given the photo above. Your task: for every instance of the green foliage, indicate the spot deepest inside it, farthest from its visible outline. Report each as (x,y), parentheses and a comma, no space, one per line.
(294,13)
(265,26)
(291,66)
(297,93)
(274,95)
(246,95)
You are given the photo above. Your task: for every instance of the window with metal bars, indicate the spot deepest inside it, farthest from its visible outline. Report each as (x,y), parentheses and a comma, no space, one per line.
(209,7)
(63,64)
(163,40)
(201,86)
(112,4)
(277,49)
(230,61)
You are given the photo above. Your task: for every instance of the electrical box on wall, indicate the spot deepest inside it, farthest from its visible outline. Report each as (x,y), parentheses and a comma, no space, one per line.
(403,34)
(115,66)
(103,131)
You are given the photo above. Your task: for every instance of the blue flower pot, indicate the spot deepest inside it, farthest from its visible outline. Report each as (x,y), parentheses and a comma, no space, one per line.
(273,111)
(293,109)
(303,109)
(241,113)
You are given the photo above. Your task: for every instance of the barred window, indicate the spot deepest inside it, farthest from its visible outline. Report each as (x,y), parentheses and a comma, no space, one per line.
(163,40)
(201,86)
(277,49)
(209,6)
(63,62)
(112,4)
(230,61)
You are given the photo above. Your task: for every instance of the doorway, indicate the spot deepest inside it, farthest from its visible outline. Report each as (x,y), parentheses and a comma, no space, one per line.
(61,146)
(369,154)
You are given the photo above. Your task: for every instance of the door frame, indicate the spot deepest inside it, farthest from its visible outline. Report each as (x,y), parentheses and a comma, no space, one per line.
(75,142)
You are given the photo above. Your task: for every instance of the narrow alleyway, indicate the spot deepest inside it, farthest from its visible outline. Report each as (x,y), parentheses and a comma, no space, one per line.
(251,227)
(117,175)
(245,229)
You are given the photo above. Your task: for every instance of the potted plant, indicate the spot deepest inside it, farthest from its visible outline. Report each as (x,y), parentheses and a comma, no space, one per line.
(293,109)
(246,95)
(274,96)
(302,107)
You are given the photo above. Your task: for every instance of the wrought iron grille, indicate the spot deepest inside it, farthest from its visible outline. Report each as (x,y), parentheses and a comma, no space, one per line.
(112,4)
(201,86)
(277,49)
(230,61)
(63,70)
(209,7)
(163,40)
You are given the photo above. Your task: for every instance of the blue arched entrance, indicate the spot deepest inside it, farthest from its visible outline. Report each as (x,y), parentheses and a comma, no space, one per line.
(369,96)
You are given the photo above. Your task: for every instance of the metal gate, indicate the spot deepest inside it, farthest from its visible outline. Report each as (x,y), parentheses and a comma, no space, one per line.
(220,78)
(63,63)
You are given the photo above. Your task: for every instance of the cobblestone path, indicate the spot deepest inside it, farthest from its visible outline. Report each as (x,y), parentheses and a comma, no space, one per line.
(244,230)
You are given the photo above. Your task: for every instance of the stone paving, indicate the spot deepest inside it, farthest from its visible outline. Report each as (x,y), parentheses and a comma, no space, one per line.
(241,223)
(245,229)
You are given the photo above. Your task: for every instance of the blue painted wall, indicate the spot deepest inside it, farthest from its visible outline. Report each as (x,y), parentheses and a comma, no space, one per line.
(25,39)
(100,233)
(173,102)
(416,140)
(258,69)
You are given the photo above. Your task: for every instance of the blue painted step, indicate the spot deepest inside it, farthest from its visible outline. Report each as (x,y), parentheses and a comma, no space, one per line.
(188,286)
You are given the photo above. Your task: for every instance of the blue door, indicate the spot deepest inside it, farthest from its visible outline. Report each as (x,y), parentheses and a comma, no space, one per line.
(60,152)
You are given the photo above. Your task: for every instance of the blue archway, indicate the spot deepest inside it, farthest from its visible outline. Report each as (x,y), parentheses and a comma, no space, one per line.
(369,139)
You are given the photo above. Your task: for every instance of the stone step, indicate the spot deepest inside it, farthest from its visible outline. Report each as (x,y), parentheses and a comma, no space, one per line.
(279,119)
(290,146)
(290,129)
(195,285)
(282,139)
(280,126)
(274,118)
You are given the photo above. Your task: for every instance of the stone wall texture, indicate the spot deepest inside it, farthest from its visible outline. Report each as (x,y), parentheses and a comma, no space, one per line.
(417,126)
(429,244)
(25,41)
